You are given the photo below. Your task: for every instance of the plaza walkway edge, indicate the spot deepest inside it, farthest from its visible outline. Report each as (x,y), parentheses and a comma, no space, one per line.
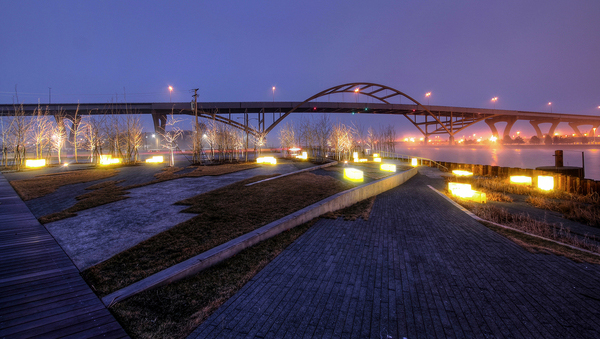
(41,291)
(224,251)
(472,215)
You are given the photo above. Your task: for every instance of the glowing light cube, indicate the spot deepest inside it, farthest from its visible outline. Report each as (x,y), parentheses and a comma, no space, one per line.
(109,160)
(387,167)
(520,179)
(414,162)
(157,159)
(362,160)
(34,163)
(464,191)
(462,173)
(377,159)
(375,155)
(545,182)
(304,156)
(355,155)
(267,160)
(353,174)
(294,149)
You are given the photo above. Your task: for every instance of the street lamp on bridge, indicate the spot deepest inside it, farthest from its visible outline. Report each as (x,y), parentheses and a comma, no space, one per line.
(550,104)
(170,91)
(494,99)
(273,93)
(427,95)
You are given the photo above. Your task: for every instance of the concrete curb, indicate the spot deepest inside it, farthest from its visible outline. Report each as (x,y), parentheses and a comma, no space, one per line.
(508,227)
(300,171)
(230,248)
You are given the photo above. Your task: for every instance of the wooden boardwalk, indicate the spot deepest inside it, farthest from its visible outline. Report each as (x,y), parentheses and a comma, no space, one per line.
(41,291)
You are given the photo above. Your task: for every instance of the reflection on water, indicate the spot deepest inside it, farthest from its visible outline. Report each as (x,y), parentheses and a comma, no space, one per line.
(524,157)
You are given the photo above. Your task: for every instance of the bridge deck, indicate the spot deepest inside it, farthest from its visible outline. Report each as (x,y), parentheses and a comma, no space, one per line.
(41,291)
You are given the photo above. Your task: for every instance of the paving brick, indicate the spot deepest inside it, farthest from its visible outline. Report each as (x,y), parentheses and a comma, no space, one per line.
(418,267)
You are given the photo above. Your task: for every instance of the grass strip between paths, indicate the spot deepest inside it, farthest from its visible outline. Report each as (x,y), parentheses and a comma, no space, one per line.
(175,310)
(45,184)
(223,214)
(108,191)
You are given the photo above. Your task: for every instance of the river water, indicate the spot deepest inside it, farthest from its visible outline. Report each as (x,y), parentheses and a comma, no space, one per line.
(527,156)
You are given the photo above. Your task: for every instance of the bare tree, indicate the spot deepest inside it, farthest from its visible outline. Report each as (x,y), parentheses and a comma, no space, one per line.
(341,139)
(133,138)
(74,132)
(58,134)
(4,138)
(19,128)
(287,136)
(322,127)
(40,130)
(91,130)
(171,134)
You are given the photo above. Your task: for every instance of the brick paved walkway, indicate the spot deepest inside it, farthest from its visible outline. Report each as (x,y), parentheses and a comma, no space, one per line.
(418,267)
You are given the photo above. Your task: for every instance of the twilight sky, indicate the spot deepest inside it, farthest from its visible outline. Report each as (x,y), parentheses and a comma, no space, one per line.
(526,53)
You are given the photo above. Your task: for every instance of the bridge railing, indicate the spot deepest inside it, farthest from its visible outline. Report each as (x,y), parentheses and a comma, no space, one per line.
(407,158)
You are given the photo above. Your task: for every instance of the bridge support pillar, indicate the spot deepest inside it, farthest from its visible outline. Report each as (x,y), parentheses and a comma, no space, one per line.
(509,124)
(160,121)
(451,140)
(492,124)
(575,127)
(536,127)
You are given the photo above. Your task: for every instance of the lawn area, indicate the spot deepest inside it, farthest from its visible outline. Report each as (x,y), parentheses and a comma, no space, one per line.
(45,184)
(223,214)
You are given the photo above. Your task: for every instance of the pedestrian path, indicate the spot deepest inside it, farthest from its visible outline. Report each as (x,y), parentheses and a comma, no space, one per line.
(41,291)
(419,267)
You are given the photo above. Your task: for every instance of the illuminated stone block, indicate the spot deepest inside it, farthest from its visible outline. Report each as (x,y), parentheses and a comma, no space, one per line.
(353,174)
(34,163)
(157,159)
(464,191)
(545,182)
(377,159)
(414,162)
(375,155)
(462,173)
(109,160)
(355,155)
(304,156)
(387,167)
(267,160)
(363,160)
(520,179)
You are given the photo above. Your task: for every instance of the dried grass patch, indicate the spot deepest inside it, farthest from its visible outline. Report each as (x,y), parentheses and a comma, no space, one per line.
(573,210)
(527,224)
(361,209)
(223,214)
(101,194)
(45,184)
(175,310)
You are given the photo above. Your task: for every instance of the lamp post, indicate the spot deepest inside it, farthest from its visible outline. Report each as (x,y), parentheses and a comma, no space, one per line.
(356,92)
(494,99)
(273,93)
(427,95)
(170,91)
(550,104)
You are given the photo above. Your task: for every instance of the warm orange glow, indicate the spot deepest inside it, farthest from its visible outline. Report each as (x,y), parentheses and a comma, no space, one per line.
(356,90)
(266,160)
(353,174)
(494,99)
(34,163)
(555,133)
(493,138)
(428,94)
(462,173)
(171,88)
(388,167)
(109,160)
(413,162)
(545,182)
(273,88)
(464,191)
(157,159)
(520,179)
(304,156)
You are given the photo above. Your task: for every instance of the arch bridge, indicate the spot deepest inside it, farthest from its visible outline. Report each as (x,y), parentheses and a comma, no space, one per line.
(428,119)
